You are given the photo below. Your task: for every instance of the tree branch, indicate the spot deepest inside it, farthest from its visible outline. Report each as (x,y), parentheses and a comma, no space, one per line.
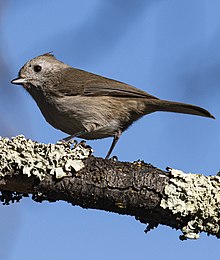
(67,171)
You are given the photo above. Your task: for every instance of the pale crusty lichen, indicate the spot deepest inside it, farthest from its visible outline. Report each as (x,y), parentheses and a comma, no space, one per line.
(32,158)
(196,196)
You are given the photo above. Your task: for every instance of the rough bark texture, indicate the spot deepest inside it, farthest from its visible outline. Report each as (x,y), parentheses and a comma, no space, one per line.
(152,196)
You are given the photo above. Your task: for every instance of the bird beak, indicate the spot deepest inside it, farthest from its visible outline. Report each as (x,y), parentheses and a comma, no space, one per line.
(18,81)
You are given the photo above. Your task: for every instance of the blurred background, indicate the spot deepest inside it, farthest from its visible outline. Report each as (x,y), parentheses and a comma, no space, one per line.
(169,48)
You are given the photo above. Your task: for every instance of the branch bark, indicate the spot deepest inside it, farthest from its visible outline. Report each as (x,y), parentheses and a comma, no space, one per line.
(68,172)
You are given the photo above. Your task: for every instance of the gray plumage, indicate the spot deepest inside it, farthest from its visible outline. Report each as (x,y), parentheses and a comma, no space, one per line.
(87,105)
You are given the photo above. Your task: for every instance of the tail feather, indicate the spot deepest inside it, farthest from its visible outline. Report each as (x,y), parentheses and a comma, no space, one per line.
(177,107)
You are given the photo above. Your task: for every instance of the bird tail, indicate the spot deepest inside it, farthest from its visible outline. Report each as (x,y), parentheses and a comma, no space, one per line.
(177,107)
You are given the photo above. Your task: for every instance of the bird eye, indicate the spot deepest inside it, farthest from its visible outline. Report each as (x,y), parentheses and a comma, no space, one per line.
(37,68)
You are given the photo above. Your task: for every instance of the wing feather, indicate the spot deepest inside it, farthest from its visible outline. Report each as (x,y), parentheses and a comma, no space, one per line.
(79,82)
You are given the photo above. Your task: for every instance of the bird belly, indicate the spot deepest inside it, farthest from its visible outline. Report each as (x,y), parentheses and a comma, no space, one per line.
(98,117)
(101,132)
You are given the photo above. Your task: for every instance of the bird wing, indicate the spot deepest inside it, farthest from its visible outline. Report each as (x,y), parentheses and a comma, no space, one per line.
(79,82)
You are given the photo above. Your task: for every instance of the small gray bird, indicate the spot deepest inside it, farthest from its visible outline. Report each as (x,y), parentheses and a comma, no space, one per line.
(87,105)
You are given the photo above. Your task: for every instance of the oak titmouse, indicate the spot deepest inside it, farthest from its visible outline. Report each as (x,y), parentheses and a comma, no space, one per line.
(87,105)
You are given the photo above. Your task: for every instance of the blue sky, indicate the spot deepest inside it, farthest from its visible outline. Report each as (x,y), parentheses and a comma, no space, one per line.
(168,48)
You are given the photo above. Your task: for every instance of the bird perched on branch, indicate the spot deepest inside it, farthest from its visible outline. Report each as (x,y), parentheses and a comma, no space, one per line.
(89,106)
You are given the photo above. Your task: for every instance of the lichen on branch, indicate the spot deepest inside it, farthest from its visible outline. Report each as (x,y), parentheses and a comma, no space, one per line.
(33,158)
(68,172)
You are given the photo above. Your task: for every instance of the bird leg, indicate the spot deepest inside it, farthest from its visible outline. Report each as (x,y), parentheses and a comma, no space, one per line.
(115,140)
(66,139)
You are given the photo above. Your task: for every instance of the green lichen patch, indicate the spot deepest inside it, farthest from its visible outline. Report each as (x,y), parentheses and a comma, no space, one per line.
(197,197)
(32,158)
